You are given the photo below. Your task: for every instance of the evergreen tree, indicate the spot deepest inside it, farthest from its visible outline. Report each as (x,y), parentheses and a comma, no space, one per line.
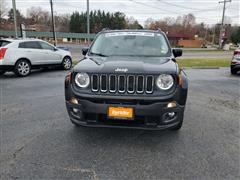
(98,20)
(235,37)
(20,17)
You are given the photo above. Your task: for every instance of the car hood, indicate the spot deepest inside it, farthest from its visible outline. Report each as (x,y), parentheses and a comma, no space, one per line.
(63,52)
(136,65)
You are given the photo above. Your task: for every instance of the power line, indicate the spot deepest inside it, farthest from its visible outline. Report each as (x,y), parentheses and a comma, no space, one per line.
(154,7)
(147,5)
(161,8)
(194,10)
(180,6)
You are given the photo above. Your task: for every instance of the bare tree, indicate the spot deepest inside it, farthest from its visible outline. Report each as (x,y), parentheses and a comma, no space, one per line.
(132,23)
(41,19)
(3,8)
(169,20)
(189,21)
(62,22)
(161,24)
(148,22)
(37,15)
(182,25)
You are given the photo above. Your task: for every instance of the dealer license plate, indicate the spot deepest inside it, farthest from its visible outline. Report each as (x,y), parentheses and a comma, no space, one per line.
(120,113)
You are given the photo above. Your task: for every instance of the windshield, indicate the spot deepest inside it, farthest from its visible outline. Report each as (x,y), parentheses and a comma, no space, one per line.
(130,44)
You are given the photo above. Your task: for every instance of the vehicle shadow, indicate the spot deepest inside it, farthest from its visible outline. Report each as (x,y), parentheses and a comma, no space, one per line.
(236,75)
(126,136)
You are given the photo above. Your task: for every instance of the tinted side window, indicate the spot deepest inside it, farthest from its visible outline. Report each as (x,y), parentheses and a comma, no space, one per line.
(21,45)
(4,43)
(46,46)
(30,45)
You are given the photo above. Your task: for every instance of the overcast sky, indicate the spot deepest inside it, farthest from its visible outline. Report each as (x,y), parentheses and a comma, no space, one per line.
(208,11)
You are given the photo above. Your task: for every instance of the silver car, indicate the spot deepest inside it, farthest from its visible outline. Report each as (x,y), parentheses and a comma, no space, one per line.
(20,56)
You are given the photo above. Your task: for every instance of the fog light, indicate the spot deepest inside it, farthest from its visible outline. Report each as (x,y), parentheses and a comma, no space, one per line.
(74,101)
(172,104)
(77,113)
(75,110)
(171,114)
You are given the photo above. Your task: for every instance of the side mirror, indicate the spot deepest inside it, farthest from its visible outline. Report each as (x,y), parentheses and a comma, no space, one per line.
(177,52)
(55,49)
(84,51)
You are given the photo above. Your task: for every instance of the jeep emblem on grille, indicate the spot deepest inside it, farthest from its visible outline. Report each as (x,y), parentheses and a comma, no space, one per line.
(121,70)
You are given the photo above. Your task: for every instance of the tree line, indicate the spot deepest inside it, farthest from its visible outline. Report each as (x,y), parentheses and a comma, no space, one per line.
(76,22)
(186,25)
(40,20)
(101,19)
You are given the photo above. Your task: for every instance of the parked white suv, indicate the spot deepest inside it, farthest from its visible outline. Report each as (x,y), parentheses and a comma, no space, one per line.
(22,55)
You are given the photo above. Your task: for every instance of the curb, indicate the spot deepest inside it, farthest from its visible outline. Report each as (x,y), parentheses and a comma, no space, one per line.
(201,67)
(205,67)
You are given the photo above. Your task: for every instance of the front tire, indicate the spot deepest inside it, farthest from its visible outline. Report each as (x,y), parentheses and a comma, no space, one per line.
(233,71)
(22,68)
(67,63)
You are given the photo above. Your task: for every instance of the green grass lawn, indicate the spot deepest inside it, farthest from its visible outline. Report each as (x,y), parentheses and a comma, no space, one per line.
(199,63)
(203,63)
(206,51)
(74,62)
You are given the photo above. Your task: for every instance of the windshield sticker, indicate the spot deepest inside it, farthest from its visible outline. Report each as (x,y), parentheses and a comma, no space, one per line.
(129,34)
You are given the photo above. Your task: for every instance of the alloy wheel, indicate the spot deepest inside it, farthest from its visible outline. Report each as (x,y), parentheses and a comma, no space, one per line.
(67,63)
(23,68)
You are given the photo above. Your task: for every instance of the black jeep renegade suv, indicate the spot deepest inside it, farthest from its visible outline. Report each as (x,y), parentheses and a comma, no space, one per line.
(128,79)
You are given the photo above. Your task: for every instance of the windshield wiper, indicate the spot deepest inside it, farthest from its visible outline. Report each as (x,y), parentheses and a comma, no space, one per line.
(99,54)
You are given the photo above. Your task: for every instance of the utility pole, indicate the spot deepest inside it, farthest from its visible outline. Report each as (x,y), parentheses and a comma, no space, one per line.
(214,34)
(15,18)
(53,24)
(88,21)
(222,25)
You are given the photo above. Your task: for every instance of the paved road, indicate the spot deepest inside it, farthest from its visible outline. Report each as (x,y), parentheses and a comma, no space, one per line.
(39,142)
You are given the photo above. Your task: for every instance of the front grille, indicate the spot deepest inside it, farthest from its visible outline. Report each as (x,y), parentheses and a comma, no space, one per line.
(103,83)
(122,83)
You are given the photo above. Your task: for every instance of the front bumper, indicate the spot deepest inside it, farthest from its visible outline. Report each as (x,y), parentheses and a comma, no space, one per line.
(151,116)
(150,113)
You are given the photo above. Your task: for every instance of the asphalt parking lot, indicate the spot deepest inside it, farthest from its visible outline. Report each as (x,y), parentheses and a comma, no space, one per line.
(39,142)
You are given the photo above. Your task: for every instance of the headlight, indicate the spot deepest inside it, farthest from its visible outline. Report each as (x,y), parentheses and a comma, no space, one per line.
(164,81)
(82,80)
